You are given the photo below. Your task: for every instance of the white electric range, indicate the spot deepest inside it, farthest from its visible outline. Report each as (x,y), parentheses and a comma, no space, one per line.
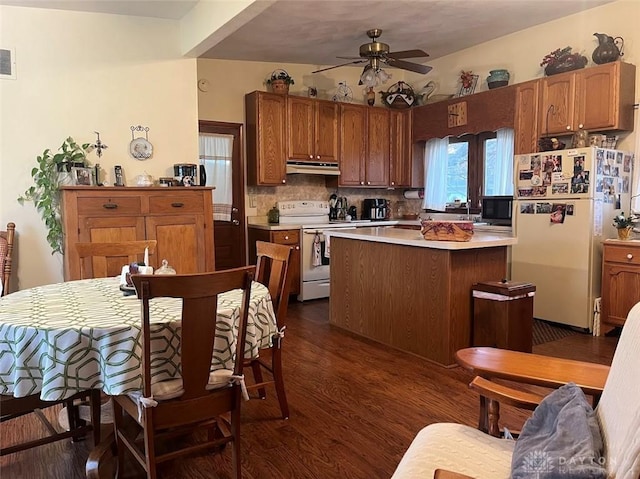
(313,219)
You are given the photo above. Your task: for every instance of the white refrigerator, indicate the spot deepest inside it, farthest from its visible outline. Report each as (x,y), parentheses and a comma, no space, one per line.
(565,201)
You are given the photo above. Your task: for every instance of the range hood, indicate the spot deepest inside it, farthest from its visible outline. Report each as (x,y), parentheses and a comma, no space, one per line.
(313,168)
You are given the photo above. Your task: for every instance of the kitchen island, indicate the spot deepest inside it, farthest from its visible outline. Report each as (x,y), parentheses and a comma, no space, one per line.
(392,286)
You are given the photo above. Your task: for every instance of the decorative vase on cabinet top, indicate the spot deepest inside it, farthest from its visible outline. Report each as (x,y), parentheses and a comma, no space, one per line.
(607,50)
(625,233)
(498,78)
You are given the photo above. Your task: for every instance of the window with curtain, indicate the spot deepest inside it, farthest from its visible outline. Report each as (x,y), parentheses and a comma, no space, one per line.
(472,166)
(215,154)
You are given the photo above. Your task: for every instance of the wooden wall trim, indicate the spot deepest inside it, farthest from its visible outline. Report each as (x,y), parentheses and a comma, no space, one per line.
(486,111)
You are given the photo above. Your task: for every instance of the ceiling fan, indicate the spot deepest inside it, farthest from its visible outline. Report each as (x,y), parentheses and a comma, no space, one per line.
(377,54)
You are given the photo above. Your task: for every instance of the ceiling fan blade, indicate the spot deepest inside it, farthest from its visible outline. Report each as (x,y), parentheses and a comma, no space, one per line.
(414,67)
(341,65)
(408,54)
(351,58)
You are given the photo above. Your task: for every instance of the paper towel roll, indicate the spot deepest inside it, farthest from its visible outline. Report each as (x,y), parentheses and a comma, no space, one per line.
(414,194)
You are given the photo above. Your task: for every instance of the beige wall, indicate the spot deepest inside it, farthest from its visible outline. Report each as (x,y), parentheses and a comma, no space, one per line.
(80,72)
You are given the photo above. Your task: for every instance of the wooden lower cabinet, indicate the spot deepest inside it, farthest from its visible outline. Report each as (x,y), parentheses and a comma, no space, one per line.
(620,281)
(287,237)
(180,219)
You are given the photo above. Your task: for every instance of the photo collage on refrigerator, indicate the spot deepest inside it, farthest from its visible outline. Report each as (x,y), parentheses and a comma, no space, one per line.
(614,175)
(565,175)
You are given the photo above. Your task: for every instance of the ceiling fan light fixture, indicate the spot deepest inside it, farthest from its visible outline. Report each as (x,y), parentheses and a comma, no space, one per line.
(373,77)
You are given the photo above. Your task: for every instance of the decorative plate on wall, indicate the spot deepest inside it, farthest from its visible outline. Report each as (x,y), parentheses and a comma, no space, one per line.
(140,148)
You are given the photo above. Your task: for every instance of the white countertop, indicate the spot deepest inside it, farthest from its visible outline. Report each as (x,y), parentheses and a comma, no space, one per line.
(263,224)
(408,237)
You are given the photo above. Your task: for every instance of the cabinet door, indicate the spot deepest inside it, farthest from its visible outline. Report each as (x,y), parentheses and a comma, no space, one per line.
(558,104)
(266,147)
(256,234)
(291,238)
(377,164)
(300,119)
(106,230)
(597,98)
(620,291)
(181,241)
(353,144)
(526,118)
(400,149)
(326,131)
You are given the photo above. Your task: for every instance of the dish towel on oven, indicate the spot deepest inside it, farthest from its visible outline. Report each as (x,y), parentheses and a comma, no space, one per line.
(326,246)
(316,259)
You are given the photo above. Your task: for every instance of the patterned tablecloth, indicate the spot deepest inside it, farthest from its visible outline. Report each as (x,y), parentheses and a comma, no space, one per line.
(61,338)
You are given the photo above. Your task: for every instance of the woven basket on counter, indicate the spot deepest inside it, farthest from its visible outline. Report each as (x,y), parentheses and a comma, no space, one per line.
(447,230)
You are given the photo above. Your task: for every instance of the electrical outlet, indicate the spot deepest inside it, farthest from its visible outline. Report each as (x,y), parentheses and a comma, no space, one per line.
(252,201)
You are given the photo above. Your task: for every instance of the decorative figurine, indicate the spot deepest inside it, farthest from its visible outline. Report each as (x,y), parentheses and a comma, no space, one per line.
(98,145)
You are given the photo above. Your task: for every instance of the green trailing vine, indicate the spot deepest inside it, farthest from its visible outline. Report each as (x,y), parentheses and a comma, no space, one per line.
(45,193)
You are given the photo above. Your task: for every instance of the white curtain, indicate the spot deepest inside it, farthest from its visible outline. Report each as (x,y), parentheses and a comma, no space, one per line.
(216,152)
(436,156)
(503,178)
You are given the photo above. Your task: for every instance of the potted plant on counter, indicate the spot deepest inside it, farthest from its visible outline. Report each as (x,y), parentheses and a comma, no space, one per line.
(53,171)
(624,225)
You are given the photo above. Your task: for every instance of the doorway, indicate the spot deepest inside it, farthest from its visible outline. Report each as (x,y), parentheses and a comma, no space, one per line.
(221,156)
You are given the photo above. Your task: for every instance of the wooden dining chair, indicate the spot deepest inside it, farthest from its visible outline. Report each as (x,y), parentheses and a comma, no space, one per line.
(200,398)
(12,407)
(101,260)
(272,270)
(6,250)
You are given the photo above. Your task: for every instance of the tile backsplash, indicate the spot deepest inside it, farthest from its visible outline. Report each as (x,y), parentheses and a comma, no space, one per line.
(312,187)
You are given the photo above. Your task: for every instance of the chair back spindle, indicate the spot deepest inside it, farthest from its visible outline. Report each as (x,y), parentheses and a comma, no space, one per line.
(6,252)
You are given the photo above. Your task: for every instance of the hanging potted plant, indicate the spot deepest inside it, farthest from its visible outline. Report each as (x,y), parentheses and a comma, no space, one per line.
(279,81)
(53,171)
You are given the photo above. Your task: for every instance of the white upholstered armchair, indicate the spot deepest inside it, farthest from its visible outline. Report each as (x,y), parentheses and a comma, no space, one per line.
(468,451)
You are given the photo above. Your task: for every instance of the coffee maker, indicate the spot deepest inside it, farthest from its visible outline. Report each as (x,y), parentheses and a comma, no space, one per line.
(374,209)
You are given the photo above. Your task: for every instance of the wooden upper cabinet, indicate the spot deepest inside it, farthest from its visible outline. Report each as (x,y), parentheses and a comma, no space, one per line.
(526,132)
(557,106)
(597,98)
(266,118)
(301,121)
(605,97)
(313,130)
(401,159)
(353,144)
(378,154)
(326,130)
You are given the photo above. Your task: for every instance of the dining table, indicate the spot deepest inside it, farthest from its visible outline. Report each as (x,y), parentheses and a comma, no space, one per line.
(62,338)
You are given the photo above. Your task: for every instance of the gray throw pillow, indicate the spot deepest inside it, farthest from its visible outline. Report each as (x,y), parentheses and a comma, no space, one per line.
(560,440)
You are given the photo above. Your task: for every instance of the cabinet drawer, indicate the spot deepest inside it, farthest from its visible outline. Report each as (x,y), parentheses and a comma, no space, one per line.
(109,206)
(622,254)
(174,204)
(286,237)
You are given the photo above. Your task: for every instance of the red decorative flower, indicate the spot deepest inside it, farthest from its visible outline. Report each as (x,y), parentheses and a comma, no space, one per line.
(466,78)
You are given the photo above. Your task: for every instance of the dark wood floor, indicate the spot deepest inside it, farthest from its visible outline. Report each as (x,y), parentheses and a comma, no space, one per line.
(355,407)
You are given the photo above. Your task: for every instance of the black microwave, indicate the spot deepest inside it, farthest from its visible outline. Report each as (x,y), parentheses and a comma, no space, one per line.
(497,209)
